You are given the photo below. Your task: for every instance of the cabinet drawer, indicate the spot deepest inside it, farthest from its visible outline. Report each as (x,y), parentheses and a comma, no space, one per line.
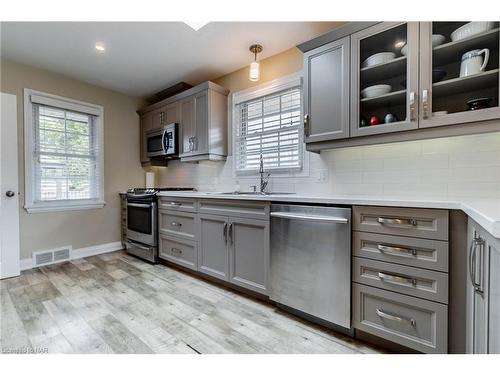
(413,322)
(413,222)
(177,204)
(417,252)
(179,251)
(176,223)
(246,209)
(413,281)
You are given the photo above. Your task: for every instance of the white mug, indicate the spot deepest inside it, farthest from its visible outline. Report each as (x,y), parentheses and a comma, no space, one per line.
(472,62)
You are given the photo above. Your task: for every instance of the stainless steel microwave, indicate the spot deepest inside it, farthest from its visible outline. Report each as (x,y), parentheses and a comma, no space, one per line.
(162,142)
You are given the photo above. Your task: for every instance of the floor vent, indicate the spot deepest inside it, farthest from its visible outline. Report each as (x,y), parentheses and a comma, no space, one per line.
(43,258)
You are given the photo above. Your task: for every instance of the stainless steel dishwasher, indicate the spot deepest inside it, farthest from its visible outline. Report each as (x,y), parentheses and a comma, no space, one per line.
(311,260)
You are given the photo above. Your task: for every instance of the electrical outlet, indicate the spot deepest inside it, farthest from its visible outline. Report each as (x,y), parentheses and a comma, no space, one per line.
(322,176)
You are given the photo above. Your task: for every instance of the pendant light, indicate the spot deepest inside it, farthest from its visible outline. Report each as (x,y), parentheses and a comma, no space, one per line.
(254,73)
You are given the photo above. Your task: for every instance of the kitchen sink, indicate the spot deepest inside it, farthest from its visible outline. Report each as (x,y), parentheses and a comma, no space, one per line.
(249,193)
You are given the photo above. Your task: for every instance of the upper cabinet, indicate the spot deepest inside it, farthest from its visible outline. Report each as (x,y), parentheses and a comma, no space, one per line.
(459,79)
(201,113)
(384,76)
(408,80)
(326,92)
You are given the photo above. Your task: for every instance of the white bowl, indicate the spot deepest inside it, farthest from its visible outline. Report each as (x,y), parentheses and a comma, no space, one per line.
(437,39)
(470,29)
(439,113)
(377,90)
(404,49)
(379,58)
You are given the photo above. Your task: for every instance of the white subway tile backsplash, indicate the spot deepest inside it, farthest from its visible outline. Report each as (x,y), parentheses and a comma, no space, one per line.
(465,166)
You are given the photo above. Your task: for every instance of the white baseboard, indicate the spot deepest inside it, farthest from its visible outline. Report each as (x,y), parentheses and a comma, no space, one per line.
(83,252)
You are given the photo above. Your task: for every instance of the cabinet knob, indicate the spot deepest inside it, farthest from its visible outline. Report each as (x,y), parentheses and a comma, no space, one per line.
(10,193)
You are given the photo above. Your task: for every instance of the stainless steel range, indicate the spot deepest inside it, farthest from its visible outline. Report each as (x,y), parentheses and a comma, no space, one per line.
(142,222)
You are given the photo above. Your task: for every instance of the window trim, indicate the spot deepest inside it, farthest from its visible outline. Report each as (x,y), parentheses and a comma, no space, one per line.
(70,105)
(265,89)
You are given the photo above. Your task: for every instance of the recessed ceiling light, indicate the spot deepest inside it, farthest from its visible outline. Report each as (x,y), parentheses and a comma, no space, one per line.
(100,47)
(196,25)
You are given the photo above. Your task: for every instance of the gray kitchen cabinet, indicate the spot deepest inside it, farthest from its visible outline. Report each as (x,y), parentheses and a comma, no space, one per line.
(249,253)
(213,254)
(409,321)
(204,125)
(443,93)
(177,250)
(326,92)
(201,113)
(165,115)
(235,249)
(188,125)
(483,291)
(400,275)
(194,118)
(400,75)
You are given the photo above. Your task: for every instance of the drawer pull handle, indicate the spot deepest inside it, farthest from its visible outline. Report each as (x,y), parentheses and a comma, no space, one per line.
(398,222)
(175,224)
(396,318)
(384,248)
(176,250)
(391,278)
(175,204)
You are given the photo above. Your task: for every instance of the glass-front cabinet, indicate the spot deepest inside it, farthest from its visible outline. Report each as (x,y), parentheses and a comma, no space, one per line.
(384,79)
(459,79)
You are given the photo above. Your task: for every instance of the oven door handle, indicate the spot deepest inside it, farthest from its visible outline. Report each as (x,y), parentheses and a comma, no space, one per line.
(141,205)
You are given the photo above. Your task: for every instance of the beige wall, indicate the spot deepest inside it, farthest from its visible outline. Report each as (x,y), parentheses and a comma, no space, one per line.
(121,161)
(282,64)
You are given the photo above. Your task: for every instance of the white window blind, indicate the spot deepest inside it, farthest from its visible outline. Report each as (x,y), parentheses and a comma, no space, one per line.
(65,155)
(270,125)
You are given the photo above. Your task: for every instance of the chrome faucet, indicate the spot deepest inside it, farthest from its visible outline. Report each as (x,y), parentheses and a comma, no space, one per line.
(264,181)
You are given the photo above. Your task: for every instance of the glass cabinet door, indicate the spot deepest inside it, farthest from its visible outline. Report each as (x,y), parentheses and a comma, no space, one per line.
(384,83)
(459,79)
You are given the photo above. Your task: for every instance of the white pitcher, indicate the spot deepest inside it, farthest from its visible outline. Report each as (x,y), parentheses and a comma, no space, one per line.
(472,62)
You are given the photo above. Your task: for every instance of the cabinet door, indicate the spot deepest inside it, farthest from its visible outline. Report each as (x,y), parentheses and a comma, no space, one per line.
(493,249)
(213,258)
(249,253)
(201,109)
(172,113)
(477,304)
(157,118)
(146,125)
(446,92)
(326,92)
(384,74)
(187,125)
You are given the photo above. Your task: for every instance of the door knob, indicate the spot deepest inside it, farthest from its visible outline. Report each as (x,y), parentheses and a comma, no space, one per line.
(10,193)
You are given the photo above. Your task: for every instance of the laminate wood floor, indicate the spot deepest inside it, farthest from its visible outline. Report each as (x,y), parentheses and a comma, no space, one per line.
(114,303)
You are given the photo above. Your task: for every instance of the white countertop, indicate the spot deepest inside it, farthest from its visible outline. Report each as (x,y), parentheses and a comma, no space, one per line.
(486,212)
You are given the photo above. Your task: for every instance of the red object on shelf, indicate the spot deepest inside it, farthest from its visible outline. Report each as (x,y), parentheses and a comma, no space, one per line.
(374,120)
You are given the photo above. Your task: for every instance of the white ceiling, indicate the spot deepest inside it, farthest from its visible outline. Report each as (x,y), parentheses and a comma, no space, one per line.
(142,58)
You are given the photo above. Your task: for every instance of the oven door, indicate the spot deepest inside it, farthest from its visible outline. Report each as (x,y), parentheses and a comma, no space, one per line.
(141,222)
(155,143)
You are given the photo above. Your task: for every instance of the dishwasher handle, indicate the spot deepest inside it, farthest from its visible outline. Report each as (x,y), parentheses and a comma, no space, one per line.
(317,218)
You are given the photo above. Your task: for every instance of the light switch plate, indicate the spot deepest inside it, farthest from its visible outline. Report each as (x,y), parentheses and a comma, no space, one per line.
(322,175)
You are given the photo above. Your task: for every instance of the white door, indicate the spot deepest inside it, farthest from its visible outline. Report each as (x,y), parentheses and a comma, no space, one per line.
(9,199)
